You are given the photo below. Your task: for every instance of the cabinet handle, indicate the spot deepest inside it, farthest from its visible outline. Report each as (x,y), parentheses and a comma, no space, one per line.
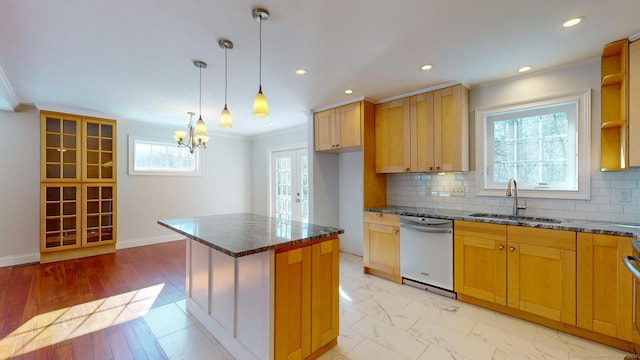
(395,231)
(512,249)
(500,247)
(337,145)
(379,215)
(430,167)
(437,167)
(407,169)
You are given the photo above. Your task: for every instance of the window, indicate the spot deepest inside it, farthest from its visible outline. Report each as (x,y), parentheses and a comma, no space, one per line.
(542,144)
(149,156)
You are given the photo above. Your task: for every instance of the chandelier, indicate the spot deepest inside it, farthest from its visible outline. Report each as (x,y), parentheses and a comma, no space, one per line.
(197,134)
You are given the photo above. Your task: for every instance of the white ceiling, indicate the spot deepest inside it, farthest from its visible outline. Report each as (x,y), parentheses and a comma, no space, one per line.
(132,59)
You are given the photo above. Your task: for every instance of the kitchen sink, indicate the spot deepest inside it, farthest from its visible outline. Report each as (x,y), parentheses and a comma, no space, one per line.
(516,218)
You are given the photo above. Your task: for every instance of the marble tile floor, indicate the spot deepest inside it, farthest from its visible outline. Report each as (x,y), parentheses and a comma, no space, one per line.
(383,320)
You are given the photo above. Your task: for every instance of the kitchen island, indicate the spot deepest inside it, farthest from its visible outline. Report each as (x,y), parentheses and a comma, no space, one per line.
(265,288)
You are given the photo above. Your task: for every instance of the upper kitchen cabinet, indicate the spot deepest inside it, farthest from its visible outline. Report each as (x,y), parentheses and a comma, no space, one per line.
(393,136)
(60,150)
(614,110)
(98,156)
(424,133)
(339,129)
(634,106)
(451,128)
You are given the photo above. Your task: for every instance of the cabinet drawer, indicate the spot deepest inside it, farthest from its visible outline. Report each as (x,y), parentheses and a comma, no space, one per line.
(381,218)
(559,239)
(480,230)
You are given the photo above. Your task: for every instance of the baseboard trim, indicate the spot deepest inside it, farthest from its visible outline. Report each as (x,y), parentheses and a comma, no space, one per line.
(122,244)
(19,259)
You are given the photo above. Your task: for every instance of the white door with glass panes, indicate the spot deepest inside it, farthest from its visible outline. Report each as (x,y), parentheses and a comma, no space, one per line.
(290,185)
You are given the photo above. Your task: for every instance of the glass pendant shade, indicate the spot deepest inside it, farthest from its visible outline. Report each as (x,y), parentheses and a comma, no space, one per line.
(225,118)
(201,130)
(178,136)
(260,107)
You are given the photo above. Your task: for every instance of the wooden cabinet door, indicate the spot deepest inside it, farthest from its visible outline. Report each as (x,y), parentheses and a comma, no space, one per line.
(347,125)
(393,139)
(541,272)
(99,214)
(382,245)
(60,224)
(99,150)
(634,105)
(292,301)
(323,133)
(422,136)
(60,149)
(480,262)
(325,306)
(604,285)
(451,124)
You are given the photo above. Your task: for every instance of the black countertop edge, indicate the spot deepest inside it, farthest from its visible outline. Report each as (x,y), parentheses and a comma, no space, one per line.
(587,226)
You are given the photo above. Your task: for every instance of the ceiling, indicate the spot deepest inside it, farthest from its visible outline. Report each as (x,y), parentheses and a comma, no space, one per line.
(132,59)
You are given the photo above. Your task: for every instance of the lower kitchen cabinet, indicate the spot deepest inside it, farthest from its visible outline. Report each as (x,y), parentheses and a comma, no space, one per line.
(306,312)
(381,237)
(480,260)
(604,285)
(541,272)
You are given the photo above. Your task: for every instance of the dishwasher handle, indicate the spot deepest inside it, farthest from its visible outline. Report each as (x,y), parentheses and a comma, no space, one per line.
(627,262)
(427,229)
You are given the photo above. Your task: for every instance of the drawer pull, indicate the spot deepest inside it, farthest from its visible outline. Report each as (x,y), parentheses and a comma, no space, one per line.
(512,249)
(500,247)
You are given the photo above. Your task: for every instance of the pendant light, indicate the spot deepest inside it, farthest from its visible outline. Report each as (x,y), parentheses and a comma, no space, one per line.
(260,108)
(225,116)
(197,134)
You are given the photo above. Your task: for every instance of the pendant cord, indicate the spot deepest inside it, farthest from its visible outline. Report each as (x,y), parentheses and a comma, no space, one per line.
(200,93)
(260,57)
(225,77)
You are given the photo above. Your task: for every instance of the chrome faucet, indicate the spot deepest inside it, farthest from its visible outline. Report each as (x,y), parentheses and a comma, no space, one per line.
(512,189)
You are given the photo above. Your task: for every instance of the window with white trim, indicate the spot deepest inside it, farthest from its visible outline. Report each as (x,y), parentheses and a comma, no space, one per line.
(542,144)
(152,156)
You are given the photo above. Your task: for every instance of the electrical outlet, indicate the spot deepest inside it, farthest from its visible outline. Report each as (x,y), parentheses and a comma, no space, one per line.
(457,191)
(624,196)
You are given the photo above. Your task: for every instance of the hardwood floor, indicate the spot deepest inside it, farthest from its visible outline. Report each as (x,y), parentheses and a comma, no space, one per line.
(89,308)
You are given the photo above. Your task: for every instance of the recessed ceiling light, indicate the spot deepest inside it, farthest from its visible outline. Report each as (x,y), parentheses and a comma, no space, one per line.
(524,69)
(301,71)
(426,67)
(573,21)
(270,124)
(348,91)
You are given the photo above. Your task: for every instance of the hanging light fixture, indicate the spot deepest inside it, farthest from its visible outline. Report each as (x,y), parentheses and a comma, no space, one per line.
(260,108)
(197,134)
(225,116)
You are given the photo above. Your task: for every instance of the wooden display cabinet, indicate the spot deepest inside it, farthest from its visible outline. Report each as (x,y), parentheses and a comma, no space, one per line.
(78,186)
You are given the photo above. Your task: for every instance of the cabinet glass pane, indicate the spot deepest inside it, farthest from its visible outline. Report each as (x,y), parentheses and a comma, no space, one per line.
(106,220)
(106,145)
(69,238)
(52,240)
(106,206)
(69,193)
(93,144)
(68,171)
(107,131)
(53,194)
(53,156)
(53,209)
(69,142)
(69,156)
(69,223)
(107,192)
(53,125)
(53,225)
(93,157)
(107,172)
(93,129)
(69,127)
(53,141)
(93,172)
(93,221)
(107,234)
(93,236)
(54,171)
(93,207)
(68,208)
(106,159)
(93,193)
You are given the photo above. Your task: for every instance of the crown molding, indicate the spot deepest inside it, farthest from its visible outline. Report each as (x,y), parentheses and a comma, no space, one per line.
(7,94)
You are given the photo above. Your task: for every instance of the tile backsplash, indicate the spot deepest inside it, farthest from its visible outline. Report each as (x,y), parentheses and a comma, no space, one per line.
(614,196)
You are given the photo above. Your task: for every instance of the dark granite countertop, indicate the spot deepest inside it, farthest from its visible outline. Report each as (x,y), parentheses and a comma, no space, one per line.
(597,227)
(245,234)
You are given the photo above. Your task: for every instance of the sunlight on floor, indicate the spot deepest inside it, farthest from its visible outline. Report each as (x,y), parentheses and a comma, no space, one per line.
(57,326)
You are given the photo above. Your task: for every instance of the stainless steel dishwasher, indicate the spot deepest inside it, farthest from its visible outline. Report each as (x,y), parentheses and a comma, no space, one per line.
(426,254)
